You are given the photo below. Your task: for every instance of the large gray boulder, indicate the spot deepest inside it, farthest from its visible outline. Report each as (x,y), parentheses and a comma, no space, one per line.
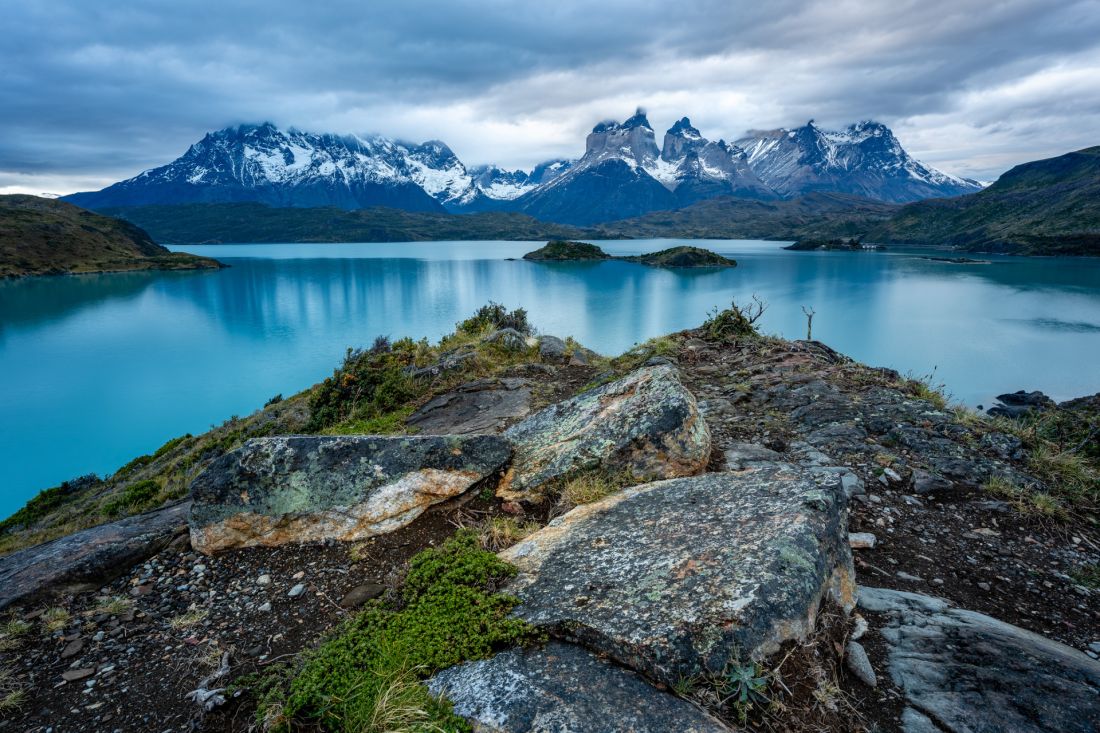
(274,491)
(563,689)
(964,672)
(481,406)
(681,577)
(646,424)
(89,558)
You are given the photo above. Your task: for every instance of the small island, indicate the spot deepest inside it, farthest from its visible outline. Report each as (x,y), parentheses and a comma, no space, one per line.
(41,236)
(560,250)
(848,245)
(682,256)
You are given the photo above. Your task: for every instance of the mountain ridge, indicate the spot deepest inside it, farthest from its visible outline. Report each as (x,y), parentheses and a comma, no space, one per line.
(623,173)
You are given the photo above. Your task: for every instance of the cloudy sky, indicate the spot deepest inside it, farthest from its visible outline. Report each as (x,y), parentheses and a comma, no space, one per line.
(93,92)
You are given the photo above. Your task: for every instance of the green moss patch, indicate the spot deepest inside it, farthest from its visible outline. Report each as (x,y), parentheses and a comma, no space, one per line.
(367,676)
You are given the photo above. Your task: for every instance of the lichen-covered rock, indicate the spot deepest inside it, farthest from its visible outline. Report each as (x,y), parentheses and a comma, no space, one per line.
(274,491)
(679,577)
(90,557)
(508,339)
(974,674)
(563,689)
(646,424)
(481,406)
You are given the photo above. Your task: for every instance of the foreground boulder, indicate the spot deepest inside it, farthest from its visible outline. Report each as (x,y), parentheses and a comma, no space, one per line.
(681,577)
(646,424)
(274,491)
(90,557)
(564,689)
(481,406)
(970,673)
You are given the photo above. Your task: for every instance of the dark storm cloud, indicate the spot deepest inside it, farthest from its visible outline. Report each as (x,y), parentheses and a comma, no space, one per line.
(92,92)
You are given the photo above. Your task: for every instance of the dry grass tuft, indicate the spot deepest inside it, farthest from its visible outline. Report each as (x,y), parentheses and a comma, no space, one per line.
(499,533)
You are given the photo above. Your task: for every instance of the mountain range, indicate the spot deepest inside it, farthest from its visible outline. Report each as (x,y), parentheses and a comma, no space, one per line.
(623,173)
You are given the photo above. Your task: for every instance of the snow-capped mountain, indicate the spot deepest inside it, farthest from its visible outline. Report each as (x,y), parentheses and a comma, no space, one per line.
(621,174)
(611,181)
(863,159)
(695,168)
(262,163)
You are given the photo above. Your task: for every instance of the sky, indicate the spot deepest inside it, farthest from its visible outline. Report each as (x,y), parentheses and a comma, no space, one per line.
(95,92)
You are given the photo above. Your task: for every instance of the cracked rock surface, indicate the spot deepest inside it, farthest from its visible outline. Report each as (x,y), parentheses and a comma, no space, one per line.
(677,577)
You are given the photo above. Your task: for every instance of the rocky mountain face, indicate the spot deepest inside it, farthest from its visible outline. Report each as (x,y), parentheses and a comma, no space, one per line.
(623,173)
(863,159)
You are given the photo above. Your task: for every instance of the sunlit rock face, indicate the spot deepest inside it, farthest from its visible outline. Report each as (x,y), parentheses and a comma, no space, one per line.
(275,491)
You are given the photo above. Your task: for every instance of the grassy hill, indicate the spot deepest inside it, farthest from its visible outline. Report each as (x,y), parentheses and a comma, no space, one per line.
(1045,207)
(259,223)
(40,236)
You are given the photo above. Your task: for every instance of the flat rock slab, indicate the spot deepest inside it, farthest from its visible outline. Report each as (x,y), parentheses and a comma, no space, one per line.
(964,672)
(564,689)
(679,577)
(646,424)
(482,406)
(90,557)
(274,491)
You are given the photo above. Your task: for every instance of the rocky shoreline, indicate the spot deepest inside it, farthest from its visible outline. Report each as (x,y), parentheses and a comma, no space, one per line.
(690,524)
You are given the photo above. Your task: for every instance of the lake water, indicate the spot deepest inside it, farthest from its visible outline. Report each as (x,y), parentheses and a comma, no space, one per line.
(97,369)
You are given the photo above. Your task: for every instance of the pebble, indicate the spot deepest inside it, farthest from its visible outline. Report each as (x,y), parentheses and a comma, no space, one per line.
(72,675)
(297,591)
(861,540)
(263,580)
(73,648)
(861,627)
(911,578)
(265,608)
(859,664)
(984,586)
(298,575)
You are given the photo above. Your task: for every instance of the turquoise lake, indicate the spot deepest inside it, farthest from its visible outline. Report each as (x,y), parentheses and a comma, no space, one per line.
(97,369)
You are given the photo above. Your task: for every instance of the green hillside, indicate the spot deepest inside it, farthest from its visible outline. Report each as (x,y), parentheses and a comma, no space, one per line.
(40,236)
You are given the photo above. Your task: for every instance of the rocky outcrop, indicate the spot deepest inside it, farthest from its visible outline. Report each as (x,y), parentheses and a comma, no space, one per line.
(964,672)
(481,406)
(89,558)
(681,577)
(1020,403)
(274,491)
(508,339)
(563,689)
(646,424)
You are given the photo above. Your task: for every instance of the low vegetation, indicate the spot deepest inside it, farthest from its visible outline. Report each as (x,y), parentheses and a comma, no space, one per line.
(735,321)
(40,236)
(567,251)
(367,676)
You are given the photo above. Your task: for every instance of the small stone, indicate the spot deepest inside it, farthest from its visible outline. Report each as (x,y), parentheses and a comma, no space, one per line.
(265,608)
(360,594)
(911,578)
(937,581)
(1095,646)
(984,586)
(72,675)
(73,648)
(297,591)
(99,635)
(264,579)
(298,575)
(859,664)
(861,540)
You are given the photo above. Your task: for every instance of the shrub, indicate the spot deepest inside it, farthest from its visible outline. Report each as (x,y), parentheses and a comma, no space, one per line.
(734,321)
(42,504)
(494,316)
(133,497)
(367,385)
(366,677)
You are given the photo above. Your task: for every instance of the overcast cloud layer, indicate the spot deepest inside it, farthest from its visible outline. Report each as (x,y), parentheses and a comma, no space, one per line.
(93,92)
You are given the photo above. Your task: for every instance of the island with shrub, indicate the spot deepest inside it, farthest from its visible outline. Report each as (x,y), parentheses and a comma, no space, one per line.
(682,256)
